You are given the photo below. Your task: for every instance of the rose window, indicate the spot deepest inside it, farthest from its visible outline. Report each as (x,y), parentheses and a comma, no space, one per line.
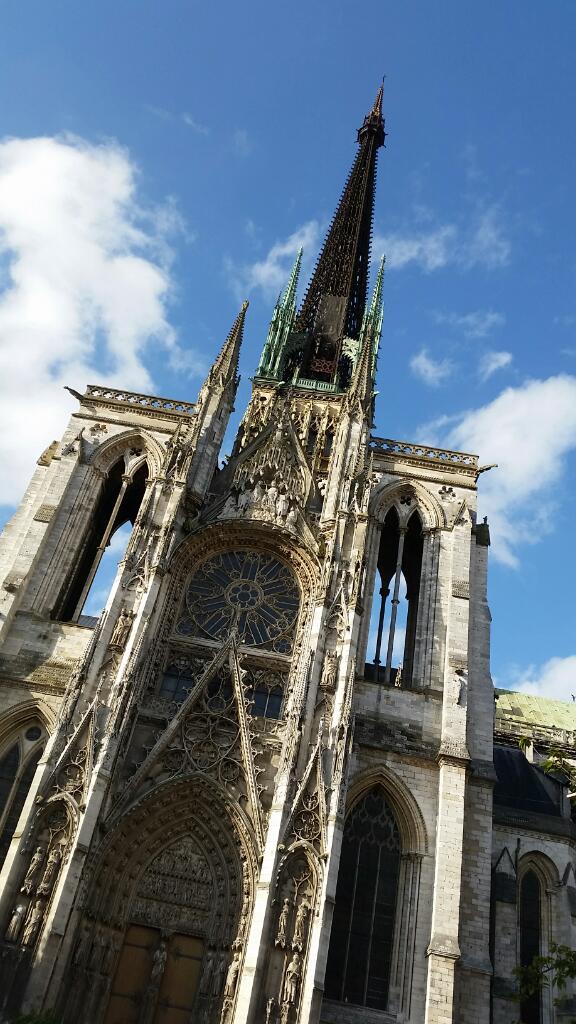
(254,593)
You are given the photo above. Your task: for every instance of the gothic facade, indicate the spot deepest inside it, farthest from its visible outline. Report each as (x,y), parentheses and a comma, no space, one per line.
(264,785)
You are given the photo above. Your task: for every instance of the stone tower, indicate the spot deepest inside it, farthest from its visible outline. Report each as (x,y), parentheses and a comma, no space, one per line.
(237,796)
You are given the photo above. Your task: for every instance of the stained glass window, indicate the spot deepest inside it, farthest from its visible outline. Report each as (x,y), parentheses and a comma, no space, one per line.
(361,941)
(253,592)
(530,932)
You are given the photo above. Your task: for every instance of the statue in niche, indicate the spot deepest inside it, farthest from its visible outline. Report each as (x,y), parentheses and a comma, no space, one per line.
(329,670)
(217,976)
(258,493)
(299,926)
(283,505)
(121,629)
(33,921)
(50,872)
(283,924)
(15,926)
(158,964)
(232,977)
(293,974)
(206,973)
(83,946)
(33,871)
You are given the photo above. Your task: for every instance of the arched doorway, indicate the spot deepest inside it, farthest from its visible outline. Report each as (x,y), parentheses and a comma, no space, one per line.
(167,912)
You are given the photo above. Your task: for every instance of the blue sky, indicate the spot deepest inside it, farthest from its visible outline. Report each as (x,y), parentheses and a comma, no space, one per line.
(160,161)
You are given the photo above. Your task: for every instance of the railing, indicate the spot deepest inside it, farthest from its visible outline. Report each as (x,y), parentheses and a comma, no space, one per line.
(316,385)
(421,451)
(144,401)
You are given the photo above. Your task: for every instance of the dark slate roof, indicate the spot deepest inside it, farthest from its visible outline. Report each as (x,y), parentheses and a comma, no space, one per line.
(523,786)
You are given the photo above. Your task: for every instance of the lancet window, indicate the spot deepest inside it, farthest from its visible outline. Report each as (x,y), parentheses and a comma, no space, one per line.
(362,937)
(117,506)
(530,926)
(17,767)
(399,570)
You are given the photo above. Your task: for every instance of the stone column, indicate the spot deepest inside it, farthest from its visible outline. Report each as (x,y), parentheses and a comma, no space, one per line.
(444,950)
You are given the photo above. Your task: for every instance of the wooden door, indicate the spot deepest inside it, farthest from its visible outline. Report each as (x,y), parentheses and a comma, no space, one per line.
(180,980)
(132,975)
(178,987)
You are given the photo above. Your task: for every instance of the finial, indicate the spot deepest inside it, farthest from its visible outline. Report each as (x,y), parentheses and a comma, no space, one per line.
(289,297)
(377,108)
(374,122)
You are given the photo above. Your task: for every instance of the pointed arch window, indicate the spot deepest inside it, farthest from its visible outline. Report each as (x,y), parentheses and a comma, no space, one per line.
(18,764)
(530,926)
(399,571)
(118,505)
(362,937)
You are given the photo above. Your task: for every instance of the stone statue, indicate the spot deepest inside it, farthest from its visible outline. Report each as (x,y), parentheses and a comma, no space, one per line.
(33,922)
(232,976)
(15,926)
(158,964)
(121,629)
(244,499)
(217,975)
(293,973)
(329,670)
(84,943)
(299,926)
(33,870)
(283,924)
(207,971)
(283,505)
(51,871)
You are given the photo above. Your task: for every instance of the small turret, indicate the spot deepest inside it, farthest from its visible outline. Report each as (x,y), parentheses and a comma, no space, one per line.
(274,352)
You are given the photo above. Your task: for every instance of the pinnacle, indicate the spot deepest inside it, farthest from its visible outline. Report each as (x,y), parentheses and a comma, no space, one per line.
(225,365)
(289,296)
(377,108)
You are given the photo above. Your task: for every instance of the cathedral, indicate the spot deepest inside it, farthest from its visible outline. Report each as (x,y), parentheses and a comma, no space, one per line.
(272,782)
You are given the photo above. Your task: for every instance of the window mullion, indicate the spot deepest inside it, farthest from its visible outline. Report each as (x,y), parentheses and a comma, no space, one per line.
(371,935)
(352,909)
(395,603)
(101,548)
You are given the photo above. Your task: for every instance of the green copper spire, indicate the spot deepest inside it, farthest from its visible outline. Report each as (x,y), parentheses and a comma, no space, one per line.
(288,300)
(376,306)
(280,325)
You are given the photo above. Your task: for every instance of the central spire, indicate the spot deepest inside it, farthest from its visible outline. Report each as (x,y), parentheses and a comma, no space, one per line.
(334,304)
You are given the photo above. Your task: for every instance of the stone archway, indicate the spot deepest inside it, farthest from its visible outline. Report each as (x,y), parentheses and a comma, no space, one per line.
(165,912)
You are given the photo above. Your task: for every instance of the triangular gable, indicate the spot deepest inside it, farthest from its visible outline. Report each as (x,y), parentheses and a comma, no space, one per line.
(73,769)
(178,744)
(307,819)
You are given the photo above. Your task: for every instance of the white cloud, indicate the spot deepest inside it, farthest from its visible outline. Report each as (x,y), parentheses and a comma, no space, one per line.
(85,285)
(271,273)
(487,245)
(491,362)
(185,117)
(555,679)
(195,125)
(432,371)
(476,324)
(529,431)
(481,242)
(430,250)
